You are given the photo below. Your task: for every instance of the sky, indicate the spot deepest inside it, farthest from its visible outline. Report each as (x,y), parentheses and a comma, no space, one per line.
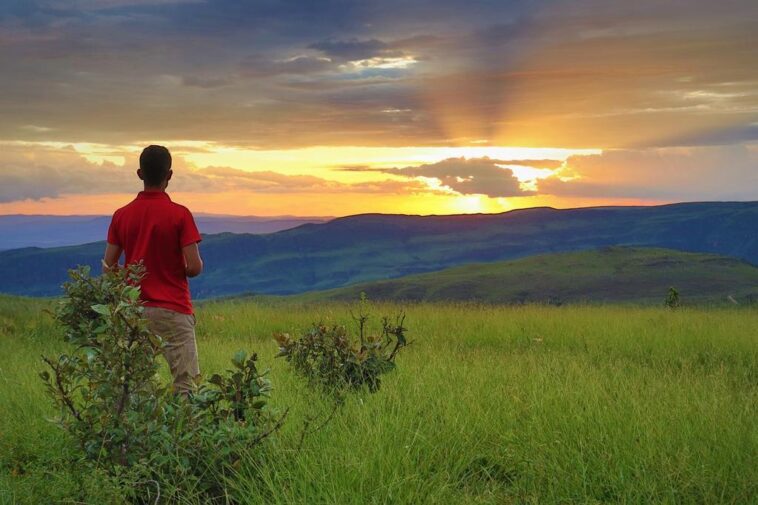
(338,107)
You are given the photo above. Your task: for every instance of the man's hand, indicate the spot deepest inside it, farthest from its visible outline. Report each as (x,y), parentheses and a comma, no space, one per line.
(112,254)
(192,261)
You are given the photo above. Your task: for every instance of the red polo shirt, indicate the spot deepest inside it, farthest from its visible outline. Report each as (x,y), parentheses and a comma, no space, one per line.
(154,229)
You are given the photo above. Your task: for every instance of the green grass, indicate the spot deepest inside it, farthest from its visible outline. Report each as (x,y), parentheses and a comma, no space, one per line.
(607,275)
(489,404)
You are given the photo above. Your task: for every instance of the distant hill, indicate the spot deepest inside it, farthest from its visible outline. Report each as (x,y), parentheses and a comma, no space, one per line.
(610,274)
(17,231)
(375,246)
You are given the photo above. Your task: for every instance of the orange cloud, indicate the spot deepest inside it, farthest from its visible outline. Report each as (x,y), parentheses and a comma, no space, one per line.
(672,174)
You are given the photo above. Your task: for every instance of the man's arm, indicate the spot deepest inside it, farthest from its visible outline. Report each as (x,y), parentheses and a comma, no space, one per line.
(112,254)
(192,261)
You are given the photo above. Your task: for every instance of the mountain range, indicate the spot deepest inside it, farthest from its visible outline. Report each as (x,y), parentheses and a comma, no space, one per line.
(20,230)
(368,247)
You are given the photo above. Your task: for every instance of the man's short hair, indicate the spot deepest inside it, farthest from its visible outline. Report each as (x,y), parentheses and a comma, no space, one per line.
(155,162)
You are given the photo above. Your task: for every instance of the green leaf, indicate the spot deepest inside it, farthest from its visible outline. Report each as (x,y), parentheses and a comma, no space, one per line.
(258,404)
(155,340)
(132,293)
(101,309)
(239,359)
(385,366)
(91,354)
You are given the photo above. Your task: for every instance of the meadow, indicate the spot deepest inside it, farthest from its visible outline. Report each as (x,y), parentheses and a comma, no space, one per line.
(489,404)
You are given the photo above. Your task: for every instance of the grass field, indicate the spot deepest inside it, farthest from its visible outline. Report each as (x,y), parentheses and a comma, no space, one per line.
(488,405)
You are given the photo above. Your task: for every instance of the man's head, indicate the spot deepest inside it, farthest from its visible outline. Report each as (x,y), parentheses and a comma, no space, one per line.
(155,167)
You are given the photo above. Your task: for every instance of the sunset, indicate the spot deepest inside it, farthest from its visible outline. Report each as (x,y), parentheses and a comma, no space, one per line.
(335,108)
(379,252)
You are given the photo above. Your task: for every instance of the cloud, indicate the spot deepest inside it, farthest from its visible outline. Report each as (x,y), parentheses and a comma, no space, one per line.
(260,66)
(205,82)
(355,49)
(473,176)
(584,74)
(38,174)
(672,174)
(29,175)
(551,164)
(215,179)
(110,4)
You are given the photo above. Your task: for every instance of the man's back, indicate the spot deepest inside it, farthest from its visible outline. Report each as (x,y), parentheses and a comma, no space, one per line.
(162,235)
(154,230)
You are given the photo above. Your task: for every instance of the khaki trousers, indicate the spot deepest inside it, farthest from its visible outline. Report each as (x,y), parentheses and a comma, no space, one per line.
(178,333)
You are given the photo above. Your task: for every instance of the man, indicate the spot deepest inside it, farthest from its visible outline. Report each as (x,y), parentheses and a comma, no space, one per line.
(163,235)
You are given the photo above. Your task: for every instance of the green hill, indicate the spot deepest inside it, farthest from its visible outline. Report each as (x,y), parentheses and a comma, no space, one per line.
(372,247)
(611,274)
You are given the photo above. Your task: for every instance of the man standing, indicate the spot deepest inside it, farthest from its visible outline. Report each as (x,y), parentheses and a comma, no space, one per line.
(162,234)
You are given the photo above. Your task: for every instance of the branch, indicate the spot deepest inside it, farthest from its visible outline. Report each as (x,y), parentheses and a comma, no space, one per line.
(276,427)
(64,395)
(308,422)
(398,330)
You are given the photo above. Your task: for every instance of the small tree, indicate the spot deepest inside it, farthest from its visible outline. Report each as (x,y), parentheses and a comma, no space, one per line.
(111,373)
(124,419)
(333,360)
(672,298)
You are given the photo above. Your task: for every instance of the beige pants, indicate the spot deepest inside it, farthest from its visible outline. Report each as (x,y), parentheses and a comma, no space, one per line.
(178,333)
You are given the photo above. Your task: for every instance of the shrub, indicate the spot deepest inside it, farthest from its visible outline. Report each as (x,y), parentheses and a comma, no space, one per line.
(672,298)
(129,424)
(333,360)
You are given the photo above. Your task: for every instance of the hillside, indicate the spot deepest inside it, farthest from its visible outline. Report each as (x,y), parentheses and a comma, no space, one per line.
(611,274)
(374,246)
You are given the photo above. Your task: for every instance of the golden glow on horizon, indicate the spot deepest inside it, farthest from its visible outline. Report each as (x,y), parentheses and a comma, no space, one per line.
(470,204)
(246,204)
(324,162)
(321,161)
(327,162)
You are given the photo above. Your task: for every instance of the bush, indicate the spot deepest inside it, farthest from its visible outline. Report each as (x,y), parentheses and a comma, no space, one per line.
(331,359)
(672,299)
(129,424)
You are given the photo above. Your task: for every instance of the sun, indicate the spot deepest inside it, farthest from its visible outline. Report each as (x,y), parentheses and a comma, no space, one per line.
(469,204)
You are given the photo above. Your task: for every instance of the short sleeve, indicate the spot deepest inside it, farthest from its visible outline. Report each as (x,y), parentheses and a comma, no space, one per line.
(113,231)
(189,233)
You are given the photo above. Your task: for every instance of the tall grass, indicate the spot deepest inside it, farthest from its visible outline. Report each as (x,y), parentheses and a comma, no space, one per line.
(488,405)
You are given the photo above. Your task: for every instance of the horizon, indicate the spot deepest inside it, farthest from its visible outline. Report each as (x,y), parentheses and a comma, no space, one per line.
(345,108)
(328,218)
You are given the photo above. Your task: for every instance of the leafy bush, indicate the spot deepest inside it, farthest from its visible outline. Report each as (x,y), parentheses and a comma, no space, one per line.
(125,420)
(330,358)
(672,298)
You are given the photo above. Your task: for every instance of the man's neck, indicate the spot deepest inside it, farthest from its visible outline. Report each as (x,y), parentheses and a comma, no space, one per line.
(150,189)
